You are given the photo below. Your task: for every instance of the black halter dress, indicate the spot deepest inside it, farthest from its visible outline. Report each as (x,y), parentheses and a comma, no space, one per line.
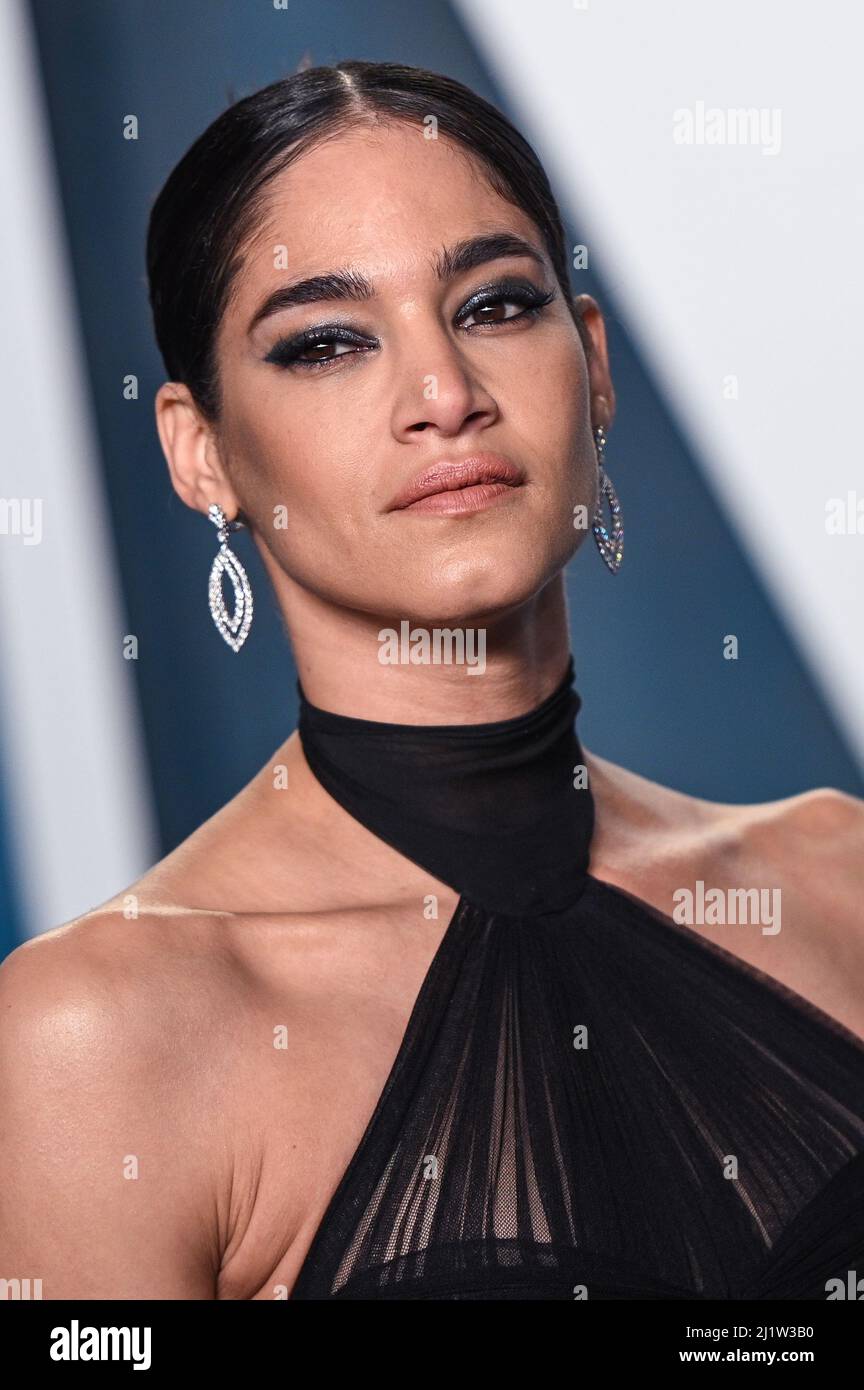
(589,1099)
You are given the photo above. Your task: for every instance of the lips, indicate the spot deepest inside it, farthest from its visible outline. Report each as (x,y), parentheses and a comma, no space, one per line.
(449,476)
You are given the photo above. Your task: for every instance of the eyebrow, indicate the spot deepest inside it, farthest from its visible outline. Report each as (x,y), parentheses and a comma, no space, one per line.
(353,285)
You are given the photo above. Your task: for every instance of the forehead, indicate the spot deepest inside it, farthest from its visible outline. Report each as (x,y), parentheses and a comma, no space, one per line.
(383,198)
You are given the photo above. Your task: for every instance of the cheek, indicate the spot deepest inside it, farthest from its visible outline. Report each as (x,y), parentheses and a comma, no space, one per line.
(278,462)
(550,381)
(550,413)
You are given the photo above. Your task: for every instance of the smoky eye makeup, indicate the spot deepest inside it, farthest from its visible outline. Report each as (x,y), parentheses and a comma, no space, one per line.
(287,352)
(292,352)
(515,291)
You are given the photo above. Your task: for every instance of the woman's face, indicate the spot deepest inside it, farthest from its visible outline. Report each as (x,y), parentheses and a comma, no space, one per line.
(319,438)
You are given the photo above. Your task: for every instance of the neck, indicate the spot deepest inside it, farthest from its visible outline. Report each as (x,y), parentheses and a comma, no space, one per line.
(499,810)
(345,665)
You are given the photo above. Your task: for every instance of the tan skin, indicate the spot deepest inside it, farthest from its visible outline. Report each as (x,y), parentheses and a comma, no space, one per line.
(145,1028)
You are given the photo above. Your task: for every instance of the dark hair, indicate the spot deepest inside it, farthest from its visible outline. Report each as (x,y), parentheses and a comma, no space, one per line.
(210,203)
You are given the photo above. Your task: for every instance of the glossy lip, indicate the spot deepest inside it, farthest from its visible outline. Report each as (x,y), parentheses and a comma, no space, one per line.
(462,500)
(486,476)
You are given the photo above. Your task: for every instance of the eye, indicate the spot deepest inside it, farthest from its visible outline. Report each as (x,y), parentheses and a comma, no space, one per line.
(292,352)
(528,300)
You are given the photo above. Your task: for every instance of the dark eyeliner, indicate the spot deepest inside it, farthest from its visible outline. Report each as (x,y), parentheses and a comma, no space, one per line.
(288,352)
(516,291)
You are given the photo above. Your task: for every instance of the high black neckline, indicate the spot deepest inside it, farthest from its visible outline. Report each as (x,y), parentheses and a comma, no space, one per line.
(490,809)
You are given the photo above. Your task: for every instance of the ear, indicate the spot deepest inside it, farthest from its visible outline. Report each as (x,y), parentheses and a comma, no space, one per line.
(599,378)
(191,451)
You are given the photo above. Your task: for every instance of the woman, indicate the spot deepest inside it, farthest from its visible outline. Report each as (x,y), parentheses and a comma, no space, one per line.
(415,1015)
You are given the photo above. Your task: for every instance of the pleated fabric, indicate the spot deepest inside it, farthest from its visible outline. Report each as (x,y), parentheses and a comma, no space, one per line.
(589,1100)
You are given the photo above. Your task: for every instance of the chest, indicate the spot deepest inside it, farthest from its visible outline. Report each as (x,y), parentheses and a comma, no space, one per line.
(604,1102)
(308,1077)
(312,1105)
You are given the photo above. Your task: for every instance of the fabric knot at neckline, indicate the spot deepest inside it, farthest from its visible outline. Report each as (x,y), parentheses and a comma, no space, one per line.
(497,811)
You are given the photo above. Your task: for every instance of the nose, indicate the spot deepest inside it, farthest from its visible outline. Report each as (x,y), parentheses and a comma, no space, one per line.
(438,389)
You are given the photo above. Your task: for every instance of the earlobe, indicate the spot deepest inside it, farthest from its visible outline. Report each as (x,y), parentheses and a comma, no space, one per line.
(602,411)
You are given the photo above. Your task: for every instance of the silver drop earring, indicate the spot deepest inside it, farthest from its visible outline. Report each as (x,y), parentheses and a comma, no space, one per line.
(234,627)
(611,547)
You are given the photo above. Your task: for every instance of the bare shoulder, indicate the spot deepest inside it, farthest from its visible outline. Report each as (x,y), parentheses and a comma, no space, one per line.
(810,846)
(647,828)
(109,1182)
(145,994)
(815,840)
(119,965)
(806,851)
(205,1039)
(824,809)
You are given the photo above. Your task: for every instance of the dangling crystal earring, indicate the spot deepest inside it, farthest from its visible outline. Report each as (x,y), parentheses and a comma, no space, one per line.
(233,627)
(611,547)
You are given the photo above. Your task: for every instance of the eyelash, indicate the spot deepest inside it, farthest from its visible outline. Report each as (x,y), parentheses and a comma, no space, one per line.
(286,353)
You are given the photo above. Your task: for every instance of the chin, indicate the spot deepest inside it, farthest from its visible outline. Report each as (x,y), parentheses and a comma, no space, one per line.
(468,593)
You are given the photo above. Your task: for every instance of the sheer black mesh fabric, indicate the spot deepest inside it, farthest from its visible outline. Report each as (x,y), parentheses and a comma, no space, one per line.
(589,1099)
